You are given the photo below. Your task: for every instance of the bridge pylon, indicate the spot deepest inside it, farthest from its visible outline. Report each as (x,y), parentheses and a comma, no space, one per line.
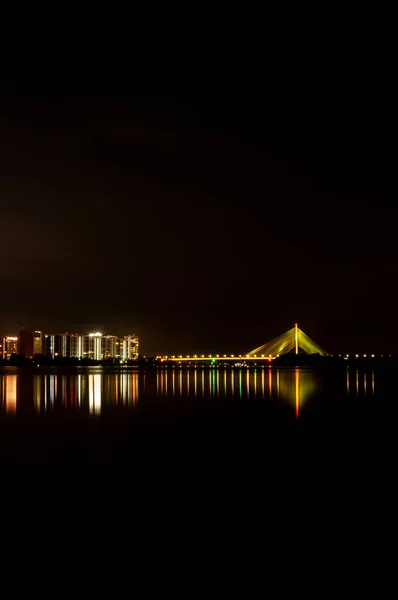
(290,341)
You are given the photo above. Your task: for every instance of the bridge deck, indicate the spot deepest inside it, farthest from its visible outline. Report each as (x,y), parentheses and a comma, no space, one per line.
(215,358)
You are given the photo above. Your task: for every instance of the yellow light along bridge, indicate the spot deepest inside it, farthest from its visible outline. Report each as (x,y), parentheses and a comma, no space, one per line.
(292,340)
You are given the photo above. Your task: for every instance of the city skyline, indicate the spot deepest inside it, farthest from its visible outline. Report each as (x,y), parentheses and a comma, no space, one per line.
(83,345)
(94,345)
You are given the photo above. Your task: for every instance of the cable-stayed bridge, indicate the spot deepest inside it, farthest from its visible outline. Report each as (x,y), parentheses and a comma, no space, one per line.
(292,341)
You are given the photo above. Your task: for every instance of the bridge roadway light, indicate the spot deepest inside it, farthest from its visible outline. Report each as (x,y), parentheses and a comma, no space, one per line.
(202,355)
(224,355)
(194,356)
(209,355)
(364,355)
(373,355)
(217,355)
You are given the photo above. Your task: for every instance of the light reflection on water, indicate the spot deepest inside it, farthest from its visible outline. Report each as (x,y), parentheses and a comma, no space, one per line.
(9,393)
(95,391)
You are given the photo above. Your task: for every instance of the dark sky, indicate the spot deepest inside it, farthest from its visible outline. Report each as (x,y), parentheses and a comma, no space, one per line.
(204,208)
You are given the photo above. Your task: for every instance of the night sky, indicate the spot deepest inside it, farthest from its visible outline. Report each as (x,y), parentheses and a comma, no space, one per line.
(205,209)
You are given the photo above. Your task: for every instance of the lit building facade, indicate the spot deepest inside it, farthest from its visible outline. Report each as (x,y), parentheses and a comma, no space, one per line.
(9,346)
(76,345)
(95,346)
(37,342)
(92,346)
(62,344)
(119,348)
(49,345)
(110,346)
(130,347)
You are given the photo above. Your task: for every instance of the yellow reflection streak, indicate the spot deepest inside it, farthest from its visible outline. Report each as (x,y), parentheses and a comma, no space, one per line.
(308,386)
(262,382)
(174,383)
(52,388)
(11,394)
(203,383)
(218,383)
(357,381)
(79,390)
(157,382)
(232,383)
(117,392)
(364,383)
(123,388)
(248,382)
(165,382)
(37,392)
(195,379)
(270,382)
(94,393)
(348,381)
(64,395)
(373,383)
(135,389)
(297,393)
(188,376)
(255,384)
(180,383)
(277,383)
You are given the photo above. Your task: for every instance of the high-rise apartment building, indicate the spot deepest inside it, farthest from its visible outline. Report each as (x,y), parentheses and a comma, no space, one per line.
(25,342)
(9,346)
(119,348)
(130,347)
(76,345)
(110,346)
(37,342)
(49,345)
(92,346)
(62,344)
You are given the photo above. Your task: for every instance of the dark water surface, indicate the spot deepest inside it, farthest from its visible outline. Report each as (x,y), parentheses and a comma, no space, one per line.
(94,416)
(246,448)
